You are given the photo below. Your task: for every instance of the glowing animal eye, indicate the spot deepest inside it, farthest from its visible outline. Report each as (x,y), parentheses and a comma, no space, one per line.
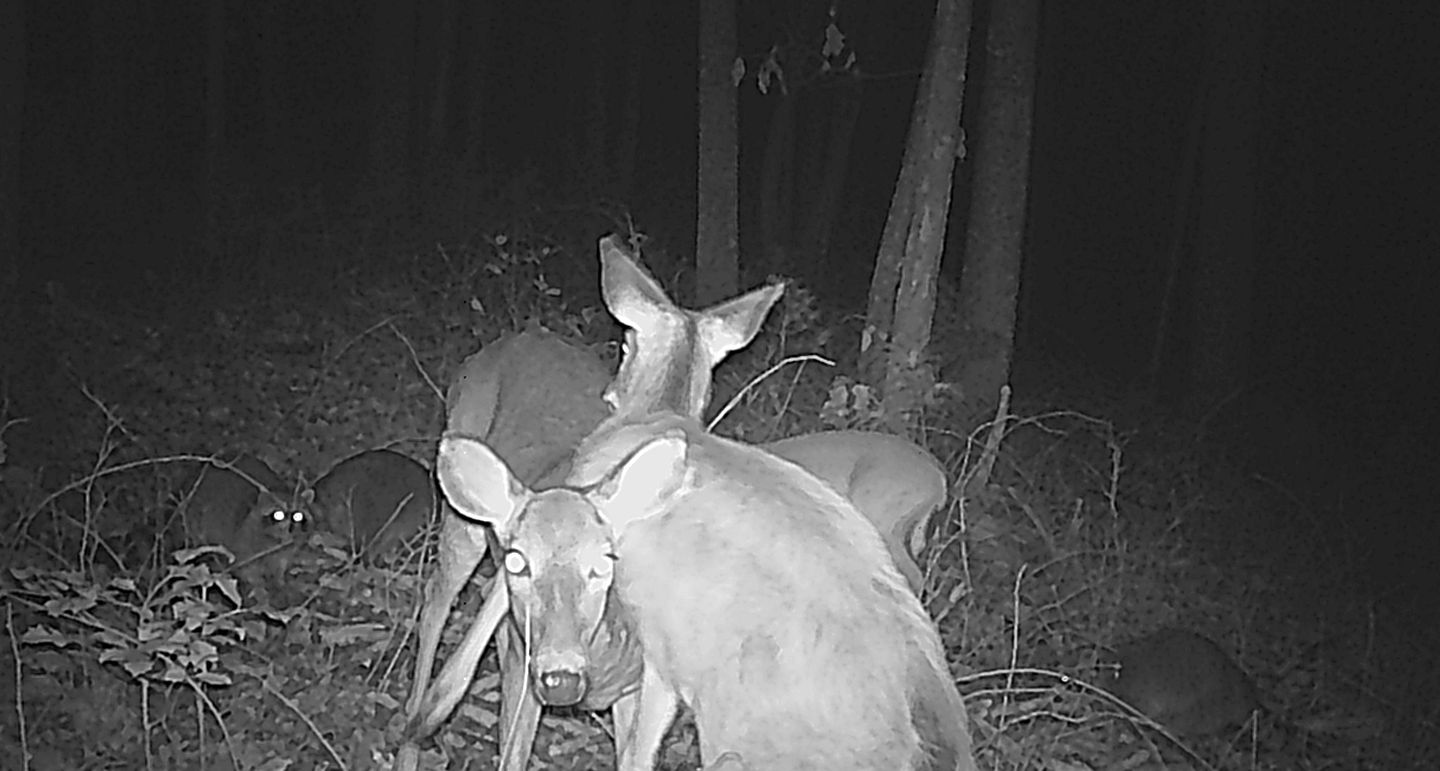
(516,564)
(597,564)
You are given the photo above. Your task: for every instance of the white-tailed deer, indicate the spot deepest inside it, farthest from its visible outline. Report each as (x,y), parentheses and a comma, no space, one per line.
(761,598)
(669,355)
(894,482)
(694,342)
(533,396)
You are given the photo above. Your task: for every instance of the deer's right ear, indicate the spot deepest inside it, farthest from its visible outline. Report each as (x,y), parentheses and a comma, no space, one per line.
(478,483)
(633,297)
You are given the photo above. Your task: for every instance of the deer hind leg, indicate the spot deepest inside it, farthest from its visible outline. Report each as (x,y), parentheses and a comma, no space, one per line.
(519,706)
(462,545)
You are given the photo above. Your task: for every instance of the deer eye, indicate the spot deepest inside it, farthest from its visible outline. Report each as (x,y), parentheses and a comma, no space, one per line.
(516,564)
(597,563)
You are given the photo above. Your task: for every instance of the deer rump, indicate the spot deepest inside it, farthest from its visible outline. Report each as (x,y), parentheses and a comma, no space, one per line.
(763,599)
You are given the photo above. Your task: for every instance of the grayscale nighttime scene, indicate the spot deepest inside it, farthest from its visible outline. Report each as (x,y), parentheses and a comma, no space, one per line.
(723,385)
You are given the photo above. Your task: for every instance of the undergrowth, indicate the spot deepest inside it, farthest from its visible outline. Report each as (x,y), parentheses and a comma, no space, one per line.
(126,649)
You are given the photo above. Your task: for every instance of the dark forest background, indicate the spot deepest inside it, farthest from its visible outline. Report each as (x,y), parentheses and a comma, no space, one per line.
(114,183)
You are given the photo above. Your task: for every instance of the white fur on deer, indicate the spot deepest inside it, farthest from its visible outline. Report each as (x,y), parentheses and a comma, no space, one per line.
(761,597)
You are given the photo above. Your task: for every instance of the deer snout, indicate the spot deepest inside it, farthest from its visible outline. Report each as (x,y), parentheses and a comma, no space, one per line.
(562,687)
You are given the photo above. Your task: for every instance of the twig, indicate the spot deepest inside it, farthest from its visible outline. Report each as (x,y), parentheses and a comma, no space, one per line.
(415,359)
(981,477)
(734,400)
(19,689)
(330,748)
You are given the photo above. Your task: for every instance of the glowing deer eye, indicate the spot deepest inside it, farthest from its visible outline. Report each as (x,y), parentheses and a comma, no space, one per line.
(279,517)
(597,563)
(516,564)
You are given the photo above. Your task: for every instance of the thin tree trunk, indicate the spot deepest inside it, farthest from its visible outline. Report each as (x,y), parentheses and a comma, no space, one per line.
(475,79)
(270,48)
(990,278)
(902,291)
(447,40)
(1180,227)
(214,121)
(391,62)
(717,227)
(777,185)
(591,161)
(12,112)
(1225,253)
(825,208)
(627,139)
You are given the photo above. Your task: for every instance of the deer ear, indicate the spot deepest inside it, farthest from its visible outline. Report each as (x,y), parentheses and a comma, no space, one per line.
(635,298)
(478,483)
(731,325)
(645,483)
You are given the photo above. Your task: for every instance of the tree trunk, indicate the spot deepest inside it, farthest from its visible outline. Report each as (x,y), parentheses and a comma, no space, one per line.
(990,278)
(717,226)
(1180,228)
(270,55)
(214,133)
(902,291)
(814,240)
(627,138)
(1225,244)
(12,112)
(446,42)
(590,164)
(777,185)
(475,72)
(391,62)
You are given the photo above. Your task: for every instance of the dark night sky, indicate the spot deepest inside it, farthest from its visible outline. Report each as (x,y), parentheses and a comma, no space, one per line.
(1348,240)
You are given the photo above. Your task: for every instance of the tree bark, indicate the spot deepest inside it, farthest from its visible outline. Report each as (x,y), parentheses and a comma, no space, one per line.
(717,228)
(990,278)
(902,291)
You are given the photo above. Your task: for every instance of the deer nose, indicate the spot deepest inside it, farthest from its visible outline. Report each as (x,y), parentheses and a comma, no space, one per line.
(562,687)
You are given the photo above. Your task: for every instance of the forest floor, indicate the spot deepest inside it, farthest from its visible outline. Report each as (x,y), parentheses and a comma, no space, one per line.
(1105,518)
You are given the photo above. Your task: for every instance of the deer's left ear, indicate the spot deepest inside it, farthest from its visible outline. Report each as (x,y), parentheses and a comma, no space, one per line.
(731,325)
(645,483)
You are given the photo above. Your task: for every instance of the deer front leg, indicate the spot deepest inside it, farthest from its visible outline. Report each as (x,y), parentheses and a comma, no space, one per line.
(652,718)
